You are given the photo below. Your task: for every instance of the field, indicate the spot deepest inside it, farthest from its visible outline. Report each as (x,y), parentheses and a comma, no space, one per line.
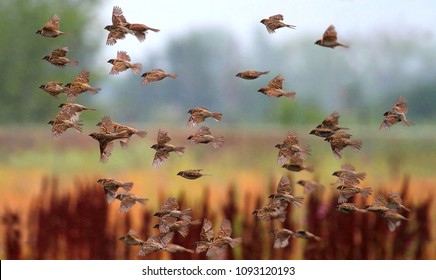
(52,207)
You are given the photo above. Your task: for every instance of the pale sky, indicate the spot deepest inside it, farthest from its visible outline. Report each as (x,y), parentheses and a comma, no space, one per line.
(350,17)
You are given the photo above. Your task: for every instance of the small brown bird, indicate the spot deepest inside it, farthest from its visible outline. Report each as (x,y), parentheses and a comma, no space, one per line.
(108,126)
(79,86)
(200,114)
(163,149)
(60,125)
(51,28)
(306,235)
(281,237)
(290,148)
(156,243)
(275,88)
(275,22)
(379,206)
(128,200)
(330,39)
(394,219)
(118,29)
(206,237)
(340,140)
(171,208)
(284,193)
(218,245)
(309,185)
(132,238)
(394,202)
(272,211)
(346,192)
(182,227)
(140,30)
(296,165)
(72,111)
(58,57)
(204,136)
(348,208)
(53,88)
(105,143)
(155,75)
(174,248)
(192,174)
(251,75)
(348,175)
(396,114)
(328,126)
(122,63)
(111,186)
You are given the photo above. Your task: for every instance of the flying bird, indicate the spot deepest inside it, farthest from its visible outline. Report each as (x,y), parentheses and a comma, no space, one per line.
(108,126)
(275,22)
(204,136)
(348,175)
(251,74)
(155,75)
(51,28)
(330,39)
(163,148)
(275,88)
(118,29)
(303,234)
(281,237)
(340,140)
(128,200)
(218,245)
(200,114)
(309,185)
(106,144)
(290,148)
(122,63)
(284,193)
(191,174)
(140,30)
(348,208)
(58,57)
(346,192)
(396,115)
(79,86)
(111,186)
(53,88)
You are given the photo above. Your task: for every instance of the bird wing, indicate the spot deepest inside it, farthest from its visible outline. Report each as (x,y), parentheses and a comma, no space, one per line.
(117,16)
(162,137)
(52,24)
(206,231)
(123,55)
(284,185)
(400,105)
(225,228)
(332,120)
(330,34)
(277,17)
(60,52)
(277,82)
(83,77)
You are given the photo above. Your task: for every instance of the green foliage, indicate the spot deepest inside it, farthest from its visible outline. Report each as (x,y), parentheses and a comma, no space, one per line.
(22,51)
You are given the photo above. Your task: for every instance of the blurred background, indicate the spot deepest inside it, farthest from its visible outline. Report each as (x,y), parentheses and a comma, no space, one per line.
(52,207)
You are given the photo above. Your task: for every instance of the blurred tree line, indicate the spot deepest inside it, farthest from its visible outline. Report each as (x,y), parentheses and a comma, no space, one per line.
(362,82)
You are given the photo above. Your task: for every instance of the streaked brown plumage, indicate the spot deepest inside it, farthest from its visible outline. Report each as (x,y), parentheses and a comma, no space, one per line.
(72,111)
(306,235)
(180,226)
(200,114)
(118,28)
(140,30)
(251,74)
(53,88)
(122,63)
(204,136)
(60,125)
(394,202)
(79,86)
(394,219)
(275,22)
(132,238)
(348,208)
(206,237)
(272,211)
(163,149)
(51,28)
(191,174)
(108,126)
(156,243)
(296,164)
(281,237)
(348,175)
(379,206)
(106,144)
(330,39)
(328,126)
(284,193)
(58,58)
(174,248)
(128,200)
(111,186)
(347,192)
(275,88)
(290,148)
(396,114)
(340,140)
(155,75)
(218,245)
(171,209)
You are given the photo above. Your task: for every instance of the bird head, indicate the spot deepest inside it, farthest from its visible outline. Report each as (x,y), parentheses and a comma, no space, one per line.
(318,42)
(42,86)
(341,188)
(51,122)
(47,57)
(108,27)
(336,173)
(154,146)
(239,75)
(111,61)
(263,21)
(38,31)
(62,105)
(301,182)
(255,212)
(262,90)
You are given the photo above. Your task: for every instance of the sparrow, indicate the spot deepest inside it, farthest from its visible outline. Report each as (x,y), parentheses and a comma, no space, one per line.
(60,125)
(379,206)
(275,22)
(290,148)
(79,85)
(111,186)
(217,246)
(182,227)
(108,126)
(284,193)
(140,30)
(199,114)
(340,140)
(51,28)
(309,186)
(58,57)
(332,122)
(128,200)
(348,208)
(396,114)
(206,237)
(105,143)
(275,88)
(155,75)
(204,136)
(53,88)
(306,235)
(348,175)
(174,248)
(394,202)
(72,111)
(191,174)
(281,237)
(394,219)
(132,238)
(156,243)
(251,75)
(330,39)
(163,149)
(296,164)
(272,211)
(346,192)
(118,29)
(171,209)
(122,63)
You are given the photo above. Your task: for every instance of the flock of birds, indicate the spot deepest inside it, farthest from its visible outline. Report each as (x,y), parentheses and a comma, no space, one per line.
(291,155)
